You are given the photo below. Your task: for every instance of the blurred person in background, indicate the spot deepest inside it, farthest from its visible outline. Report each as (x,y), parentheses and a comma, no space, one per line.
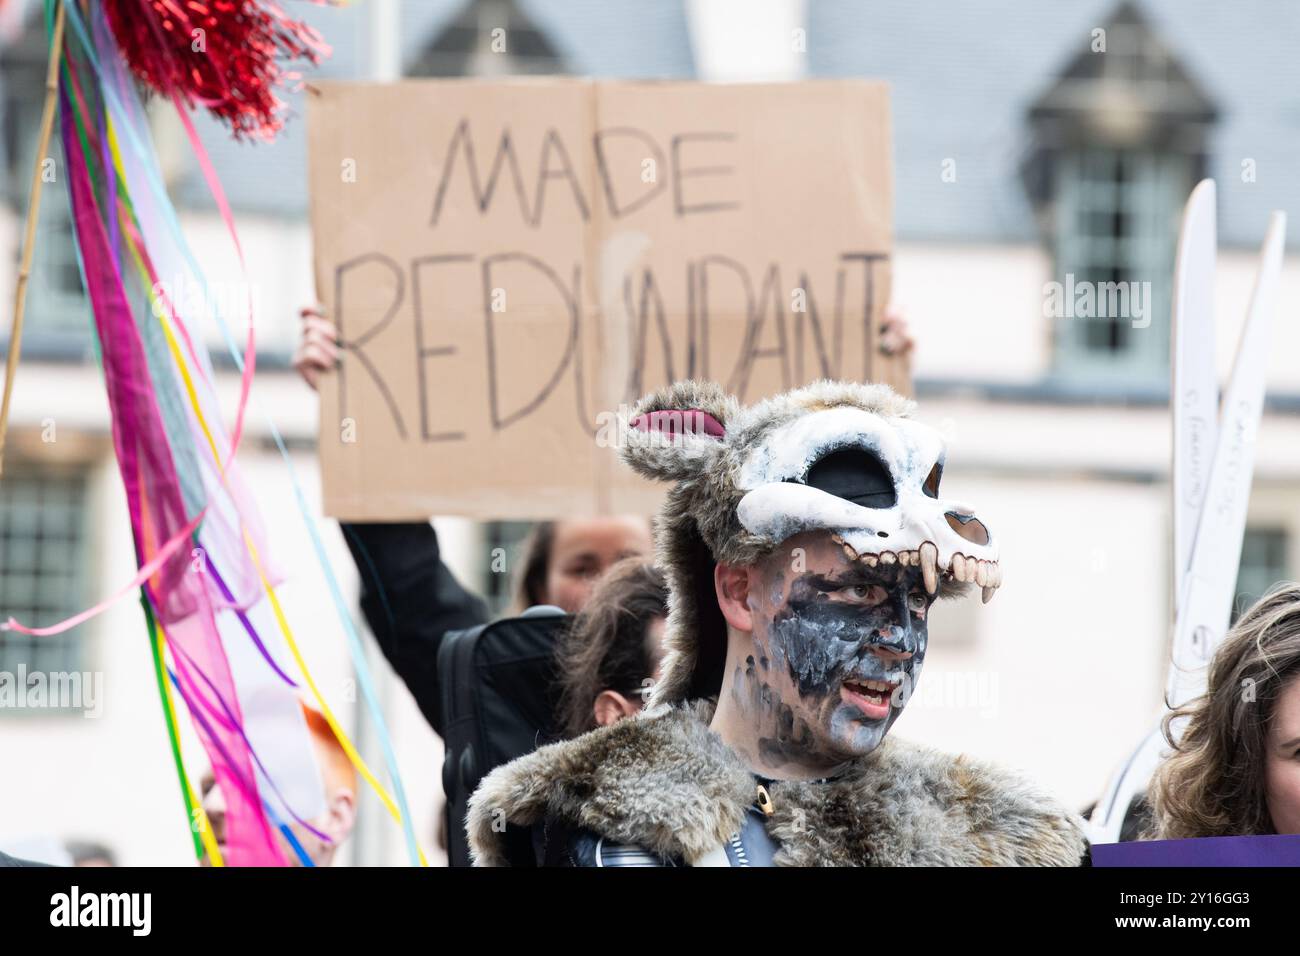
(90,853)
(610,657)
(1235,769)
(334,823)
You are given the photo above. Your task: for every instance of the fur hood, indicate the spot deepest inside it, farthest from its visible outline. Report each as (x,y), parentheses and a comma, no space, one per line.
(668,784)
(717,454)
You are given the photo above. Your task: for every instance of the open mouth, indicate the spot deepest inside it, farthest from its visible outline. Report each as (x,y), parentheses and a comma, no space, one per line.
(872,697)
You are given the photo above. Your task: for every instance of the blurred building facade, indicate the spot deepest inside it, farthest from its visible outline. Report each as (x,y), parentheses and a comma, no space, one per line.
(1024,155)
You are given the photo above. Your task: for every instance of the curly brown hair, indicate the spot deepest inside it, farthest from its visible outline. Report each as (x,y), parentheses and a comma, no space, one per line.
(608,645)
(1213,783)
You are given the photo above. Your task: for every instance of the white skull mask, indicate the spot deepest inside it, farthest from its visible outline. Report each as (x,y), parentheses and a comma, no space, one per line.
(873,481)
(841,458)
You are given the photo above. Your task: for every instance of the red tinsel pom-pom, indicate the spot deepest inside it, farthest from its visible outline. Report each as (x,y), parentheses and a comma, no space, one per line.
(226,55)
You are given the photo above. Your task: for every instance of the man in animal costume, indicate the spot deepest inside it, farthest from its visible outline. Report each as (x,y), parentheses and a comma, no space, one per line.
(805,541)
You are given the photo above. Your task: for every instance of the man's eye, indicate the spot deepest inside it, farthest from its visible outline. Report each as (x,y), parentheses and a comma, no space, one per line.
(868,594)
(916,602)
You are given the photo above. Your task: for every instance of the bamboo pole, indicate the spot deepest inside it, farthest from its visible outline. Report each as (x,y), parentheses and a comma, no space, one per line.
(33,214)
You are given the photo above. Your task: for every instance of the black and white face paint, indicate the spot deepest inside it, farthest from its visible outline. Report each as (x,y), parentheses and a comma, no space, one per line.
(839,646)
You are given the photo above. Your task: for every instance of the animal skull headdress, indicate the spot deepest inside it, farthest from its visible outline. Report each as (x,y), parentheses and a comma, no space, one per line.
(833,456)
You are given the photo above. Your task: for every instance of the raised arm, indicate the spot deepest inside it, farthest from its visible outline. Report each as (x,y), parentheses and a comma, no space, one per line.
(409,597)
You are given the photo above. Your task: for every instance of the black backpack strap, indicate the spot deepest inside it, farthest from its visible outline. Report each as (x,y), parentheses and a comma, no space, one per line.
(585,848)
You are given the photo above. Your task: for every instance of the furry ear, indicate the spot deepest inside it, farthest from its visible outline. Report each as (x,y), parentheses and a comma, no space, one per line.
(676,432)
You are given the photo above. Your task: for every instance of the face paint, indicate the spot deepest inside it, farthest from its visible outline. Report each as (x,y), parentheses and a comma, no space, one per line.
(793,740)
(825,639)
(845,643)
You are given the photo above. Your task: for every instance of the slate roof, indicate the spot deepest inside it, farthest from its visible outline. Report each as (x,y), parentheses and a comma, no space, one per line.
(964,76)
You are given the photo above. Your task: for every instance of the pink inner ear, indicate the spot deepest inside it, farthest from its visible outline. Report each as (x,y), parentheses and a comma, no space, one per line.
(676,421)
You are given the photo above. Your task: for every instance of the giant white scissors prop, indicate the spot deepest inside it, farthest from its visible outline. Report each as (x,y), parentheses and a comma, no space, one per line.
(1213,463)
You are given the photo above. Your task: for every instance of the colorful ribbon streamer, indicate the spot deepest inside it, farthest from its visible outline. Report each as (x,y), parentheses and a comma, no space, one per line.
(176,460)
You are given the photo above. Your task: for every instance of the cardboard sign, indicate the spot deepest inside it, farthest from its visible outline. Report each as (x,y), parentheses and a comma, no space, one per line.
(509,263)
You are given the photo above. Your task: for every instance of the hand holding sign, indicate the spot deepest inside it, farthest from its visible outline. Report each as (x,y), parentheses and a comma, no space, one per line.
(317,351)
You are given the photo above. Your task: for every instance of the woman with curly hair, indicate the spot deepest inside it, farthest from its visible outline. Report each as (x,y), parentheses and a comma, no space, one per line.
(1235,769)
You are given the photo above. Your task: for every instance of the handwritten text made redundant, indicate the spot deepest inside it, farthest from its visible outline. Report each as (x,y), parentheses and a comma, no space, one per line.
(736,318)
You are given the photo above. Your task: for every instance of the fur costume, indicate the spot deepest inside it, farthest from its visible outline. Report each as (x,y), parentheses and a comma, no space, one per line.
(669,784)
(745,480)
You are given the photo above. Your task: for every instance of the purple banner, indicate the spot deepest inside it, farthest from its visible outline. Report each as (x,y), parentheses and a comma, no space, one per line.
(1204,851)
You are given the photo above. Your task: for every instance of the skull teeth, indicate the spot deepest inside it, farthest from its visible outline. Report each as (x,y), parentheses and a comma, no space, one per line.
(987,575)
(929,556)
